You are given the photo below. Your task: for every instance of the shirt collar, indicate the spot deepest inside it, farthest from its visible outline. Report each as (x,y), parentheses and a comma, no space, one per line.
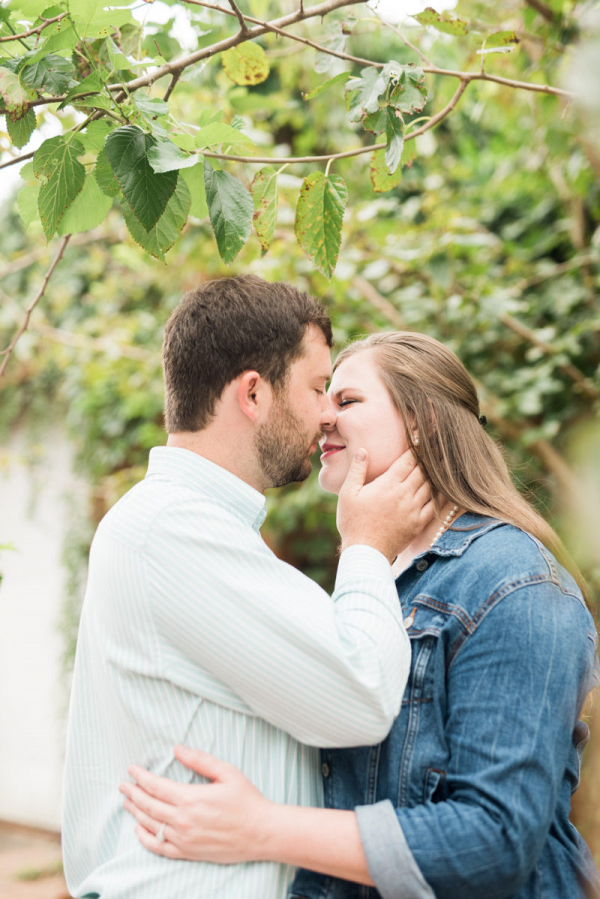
(467,528)
(197,473)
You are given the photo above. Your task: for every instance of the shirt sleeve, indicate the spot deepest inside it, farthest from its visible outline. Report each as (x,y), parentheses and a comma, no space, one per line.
(514,693)
(330,671)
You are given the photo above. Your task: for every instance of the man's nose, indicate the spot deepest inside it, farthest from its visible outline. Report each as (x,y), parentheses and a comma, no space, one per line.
(328,415)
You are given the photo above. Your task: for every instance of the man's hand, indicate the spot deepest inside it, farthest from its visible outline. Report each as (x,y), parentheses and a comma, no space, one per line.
(389,512)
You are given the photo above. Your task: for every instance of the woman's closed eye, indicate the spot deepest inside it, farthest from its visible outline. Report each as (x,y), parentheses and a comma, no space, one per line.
(343,403)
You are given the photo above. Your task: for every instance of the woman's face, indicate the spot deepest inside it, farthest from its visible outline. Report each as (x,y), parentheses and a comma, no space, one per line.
(366,417)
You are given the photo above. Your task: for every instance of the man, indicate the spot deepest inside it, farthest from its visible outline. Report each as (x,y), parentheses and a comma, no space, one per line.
(193,631)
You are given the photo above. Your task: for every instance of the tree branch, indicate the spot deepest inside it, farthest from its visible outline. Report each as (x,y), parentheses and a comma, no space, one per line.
(36,30)
(543,9)
(8,351)
(243,27)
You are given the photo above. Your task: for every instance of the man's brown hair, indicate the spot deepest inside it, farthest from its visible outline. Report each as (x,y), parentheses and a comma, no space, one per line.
(226,327)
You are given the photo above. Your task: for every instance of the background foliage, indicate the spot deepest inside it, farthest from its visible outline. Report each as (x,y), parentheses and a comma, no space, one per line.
(486,234)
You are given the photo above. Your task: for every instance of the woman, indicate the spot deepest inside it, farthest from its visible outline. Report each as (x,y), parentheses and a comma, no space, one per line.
(469,795)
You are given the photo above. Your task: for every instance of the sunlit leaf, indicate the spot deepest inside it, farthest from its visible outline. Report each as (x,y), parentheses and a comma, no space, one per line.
(146,191)
(165,156)
(331,82)
(194,178)
(265,195)
(92,20)
(230,208)
(105,176)
(27,203)
(442,21)
(93,82)
(218,133)
(246,64)
(319,216)
(381,179)
(89,209)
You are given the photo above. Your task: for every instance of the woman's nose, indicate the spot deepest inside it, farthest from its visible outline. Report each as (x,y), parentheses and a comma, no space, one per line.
(328,416)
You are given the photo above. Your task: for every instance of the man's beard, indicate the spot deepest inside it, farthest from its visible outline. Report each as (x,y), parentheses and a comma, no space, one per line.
(282,446)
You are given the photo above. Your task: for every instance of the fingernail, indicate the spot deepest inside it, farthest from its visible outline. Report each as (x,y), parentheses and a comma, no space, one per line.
(360,456)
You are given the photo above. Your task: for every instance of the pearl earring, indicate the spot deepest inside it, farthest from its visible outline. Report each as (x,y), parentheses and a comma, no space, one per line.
(416,440)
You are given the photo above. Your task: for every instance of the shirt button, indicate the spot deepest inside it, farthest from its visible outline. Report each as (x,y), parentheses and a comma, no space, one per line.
(325,769)
(422,565)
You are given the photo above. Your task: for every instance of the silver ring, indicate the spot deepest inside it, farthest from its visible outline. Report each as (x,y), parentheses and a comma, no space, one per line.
(160,836)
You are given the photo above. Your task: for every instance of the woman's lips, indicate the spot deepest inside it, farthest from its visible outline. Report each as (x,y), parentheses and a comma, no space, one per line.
(329,449)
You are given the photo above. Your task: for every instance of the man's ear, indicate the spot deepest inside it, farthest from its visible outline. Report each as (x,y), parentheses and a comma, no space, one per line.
(254,396)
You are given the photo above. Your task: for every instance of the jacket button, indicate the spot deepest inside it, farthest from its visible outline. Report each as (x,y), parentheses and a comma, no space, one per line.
(325,769)
(422,565)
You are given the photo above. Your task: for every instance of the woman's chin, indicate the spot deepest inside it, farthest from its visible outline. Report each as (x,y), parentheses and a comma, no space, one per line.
(329,481)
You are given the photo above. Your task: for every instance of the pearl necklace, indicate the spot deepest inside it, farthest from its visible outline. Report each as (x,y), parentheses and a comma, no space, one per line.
(445,524)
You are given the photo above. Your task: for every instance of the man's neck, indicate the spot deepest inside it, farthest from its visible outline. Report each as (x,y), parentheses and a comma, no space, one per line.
(226,450)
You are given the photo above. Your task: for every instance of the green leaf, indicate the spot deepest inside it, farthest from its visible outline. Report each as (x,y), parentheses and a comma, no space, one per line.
(21,130)
(17,99)
(217,133)
(105,176)
(164,233)
(319,216)
(376,122)
(164,156)
(117,58)
(53,73)
(92,20)
(27,203)
(334,39)
(381,179)
(331,82)
(230,208)
(395,139)
(56,164)
(503,37)
(150,106)
(94,136)
(442,21)
(89,209)
(146,191)
(59,36)
(265,195)
(246,64)
(194,178)
(409,153)
(93,82)
(363,93)
(410,94)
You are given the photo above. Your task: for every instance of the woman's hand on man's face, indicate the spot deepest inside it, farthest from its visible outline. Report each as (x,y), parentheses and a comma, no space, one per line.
(225,821)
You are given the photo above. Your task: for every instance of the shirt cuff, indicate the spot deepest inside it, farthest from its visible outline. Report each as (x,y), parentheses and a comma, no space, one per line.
(391,863)
(361,561)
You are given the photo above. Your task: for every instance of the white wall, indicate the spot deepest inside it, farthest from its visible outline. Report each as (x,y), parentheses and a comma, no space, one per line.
(33,516)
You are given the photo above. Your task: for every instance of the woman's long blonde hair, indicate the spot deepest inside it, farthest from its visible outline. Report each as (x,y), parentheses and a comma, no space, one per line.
(436,398)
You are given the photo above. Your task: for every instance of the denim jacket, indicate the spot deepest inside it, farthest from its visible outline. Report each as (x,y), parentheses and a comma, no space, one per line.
(469,795)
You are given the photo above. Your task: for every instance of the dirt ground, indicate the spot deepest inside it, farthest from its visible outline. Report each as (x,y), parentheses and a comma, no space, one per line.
(30,864)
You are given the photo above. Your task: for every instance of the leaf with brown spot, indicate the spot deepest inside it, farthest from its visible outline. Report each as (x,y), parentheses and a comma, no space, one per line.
(319,216)
(265,195)
(246,64)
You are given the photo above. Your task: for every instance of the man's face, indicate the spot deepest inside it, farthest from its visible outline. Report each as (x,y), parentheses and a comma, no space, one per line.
(289,437)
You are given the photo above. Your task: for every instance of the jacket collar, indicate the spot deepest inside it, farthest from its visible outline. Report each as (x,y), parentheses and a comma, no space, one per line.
(463,531)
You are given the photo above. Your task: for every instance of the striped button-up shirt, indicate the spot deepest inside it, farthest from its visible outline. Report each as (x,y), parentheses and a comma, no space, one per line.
(193,631)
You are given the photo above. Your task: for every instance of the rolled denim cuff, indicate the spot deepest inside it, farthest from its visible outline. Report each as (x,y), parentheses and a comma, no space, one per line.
(391,863)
